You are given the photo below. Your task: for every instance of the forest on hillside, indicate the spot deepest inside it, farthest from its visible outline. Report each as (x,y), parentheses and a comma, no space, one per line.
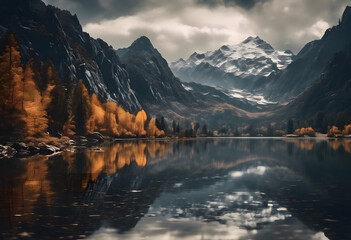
(34,102)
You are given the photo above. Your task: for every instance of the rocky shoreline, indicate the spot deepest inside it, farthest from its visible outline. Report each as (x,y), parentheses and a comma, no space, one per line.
(31,147)
(20,149)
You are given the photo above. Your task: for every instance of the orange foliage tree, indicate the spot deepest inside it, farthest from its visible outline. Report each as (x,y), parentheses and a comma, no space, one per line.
(34,102)
(111,119)
(35,114)
(347,130)
(334,131)
(152,130)
(90,115)
(305,131)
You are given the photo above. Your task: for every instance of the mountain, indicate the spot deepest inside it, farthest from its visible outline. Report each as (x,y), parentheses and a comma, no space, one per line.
(162,94)
(329,94)
(233,65)
(309,63)
(235,97)
(151,78)
(52,34)
(141,80)
(220,87)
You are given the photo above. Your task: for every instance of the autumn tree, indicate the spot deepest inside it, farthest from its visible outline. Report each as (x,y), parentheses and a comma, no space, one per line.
(96,114)
(45,75)
(305,132)
(110,119)
(11,82)
(334,132)
(140,120)
(36,101)
(347,130)
(34,116)
(152,129)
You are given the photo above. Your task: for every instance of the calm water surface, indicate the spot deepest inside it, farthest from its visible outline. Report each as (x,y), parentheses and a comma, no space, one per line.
(191,189)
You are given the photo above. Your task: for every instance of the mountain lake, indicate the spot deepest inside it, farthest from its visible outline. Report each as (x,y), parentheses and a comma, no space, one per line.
(210,188)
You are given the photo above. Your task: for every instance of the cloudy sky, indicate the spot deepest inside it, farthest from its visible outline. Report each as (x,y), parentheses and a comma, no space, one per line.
(177,28)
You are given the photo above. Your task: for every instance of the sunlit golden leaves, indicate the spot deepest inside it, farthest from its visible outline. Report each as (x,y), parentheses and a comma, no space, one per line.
(111,119)
(334,132)
(96,115)
(34,110)
(347,130)
(152,130)
(305,131)
(115,157)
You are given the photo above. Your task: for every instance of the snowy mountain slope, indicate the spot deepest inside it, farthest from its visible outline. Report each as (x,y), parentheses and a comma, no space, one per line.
(237,65)
(162,94)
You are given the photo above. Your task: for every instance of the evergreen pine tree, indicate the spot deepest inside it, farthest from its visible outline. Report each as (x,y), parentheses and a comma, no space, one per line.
(80,108)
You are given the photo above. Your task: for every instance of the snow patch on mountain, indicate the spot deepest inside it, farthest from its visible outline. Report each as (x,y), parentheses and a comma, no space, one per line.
(187,88)
(252,57)
(242,94)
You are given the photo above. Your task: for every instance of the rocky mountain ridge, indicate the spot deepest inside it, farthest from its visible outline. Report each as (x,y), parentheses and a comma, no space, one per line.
(49,33)
(308,64)
(233,65)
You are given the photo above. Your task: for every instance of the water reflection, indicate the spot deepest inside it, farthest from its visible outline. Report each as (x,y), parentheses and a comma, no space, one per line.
(340,144)
(206,189)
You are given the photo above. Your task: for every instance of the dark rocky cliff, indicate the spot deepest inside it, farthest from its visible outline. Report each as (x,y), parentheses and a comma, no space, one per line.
(53,34)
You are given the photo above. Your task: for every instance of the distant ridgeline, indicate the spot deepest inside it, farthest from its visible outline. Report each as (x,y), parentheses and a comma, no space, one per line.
(287,95)
(34,101)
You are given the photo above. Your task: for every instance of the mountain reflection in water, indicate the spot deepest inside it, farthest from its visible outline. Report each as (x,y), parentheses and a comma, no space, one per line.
(189,189)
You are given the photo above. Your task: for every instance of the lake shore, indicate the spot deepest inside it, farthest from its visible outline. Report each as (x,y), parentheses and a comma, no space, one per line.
(21,148)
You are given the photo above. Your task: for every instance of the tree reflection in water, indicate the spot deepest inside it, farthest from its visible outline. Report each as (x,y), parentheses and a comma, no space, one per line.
(76,193)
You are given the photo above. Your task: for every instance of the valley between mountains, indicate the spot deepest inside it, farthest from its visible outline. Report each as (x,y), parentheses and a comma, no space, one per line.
(247,88)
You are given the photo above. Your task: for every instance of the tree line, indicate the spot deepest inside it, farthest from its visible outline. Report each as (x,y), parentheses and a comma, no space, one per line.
(35,102)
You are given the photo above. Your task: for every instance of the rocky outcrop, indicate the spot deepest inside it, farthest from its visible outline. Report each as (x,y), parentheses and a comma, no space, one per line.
(49,33)
(309,63)
(151,78)
(46,149)
(7,152)
(21,149)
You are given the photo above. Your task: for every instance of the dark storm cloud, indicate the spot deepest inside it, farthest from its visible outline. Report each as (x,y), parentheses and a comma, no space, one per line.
(96,10)
(179,27)
(246,4)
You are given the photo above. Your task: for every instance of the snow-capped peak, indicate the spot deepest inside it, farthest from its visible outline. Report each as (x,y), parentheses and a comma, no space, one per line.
(252,57)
